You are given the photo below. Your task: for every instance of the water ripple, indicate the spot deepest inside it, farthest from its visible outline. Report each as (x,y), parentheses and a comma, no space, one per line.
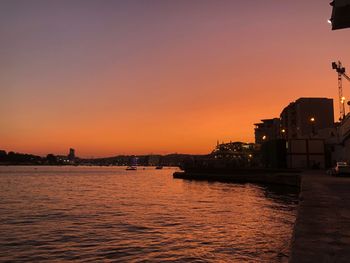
(55,214)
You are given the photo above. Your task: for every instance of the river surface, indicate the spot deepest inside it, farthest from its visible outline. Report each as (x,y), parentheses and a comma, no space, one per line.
(107,214)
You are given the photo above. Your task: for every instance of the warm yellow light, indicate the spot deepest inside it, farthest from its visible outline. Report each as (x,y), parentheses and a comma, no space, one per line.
(264,137)
(283,130)
(343,99)
(312,119)
(250,156)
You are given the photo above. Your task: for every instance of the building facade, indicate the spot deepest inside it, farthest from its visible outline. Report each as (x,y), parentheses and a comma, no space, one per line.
(306,153)
(300,135)
(305,117)
(267,130)
(71,155)
(340,143)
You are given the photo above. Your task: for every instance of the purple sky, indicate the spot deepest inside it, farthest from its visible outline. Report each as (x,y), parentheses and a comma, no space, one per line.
(109,77)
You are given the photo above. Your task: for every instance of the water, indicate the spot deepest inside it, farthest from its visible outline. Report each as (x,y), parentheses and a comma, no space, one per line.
(90,214)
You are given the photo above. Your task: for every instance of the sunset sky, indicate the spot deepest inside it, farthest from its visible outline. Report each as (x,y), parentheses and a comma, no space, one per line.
(158,76)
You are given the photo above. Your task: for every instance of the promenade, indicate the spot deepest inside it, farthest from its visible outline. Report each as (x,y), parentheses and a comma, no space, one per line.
(322,228)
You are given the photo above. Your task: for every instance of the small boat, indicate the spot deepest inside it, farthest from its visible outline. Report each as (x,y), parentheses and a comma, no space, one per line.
(133,165)
(159,167)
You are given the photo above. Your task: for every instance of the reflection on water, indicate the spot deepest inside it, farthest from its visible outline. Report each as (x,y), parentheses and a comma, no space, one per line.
(102,214)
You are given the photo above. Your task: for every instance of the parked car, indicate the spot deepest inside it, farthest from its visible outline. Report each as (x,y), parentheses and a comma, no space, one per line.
(342,168)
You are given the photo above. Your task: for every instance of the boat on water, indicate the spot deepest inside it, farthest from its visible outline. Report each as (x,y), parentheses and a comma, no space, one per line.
(159,167)
(133,165)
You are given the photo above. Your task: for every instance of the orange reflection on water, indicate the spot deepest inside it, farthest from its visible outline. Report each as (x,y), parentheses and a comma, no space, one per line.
(92,213)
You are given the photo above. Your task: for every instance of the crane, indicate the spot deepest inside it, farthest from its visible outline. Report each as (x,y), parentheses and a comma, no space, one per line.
(337,66)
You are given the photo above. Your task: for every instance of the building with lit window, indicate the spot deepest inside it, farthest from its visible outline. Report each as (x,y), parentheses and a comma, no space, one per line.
(267,130)
(297,139)
(305,117)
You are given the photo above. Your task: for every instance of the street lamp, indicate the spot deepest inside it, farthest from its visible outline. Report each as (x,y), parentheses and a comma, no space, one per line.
(312,120)
(283,133)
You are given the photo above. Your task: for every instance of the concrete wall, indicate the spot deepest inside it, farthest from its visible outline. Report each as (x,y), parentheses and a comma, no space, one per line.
(306,153)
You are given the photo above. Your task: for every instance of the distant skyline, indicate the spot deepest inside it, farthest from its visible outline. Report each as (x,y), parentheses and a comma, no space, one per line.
(158,76)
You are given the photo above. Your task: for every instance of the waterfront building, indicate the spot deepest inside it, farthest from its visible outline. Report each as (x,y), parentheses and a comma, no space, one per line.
(71,155)
(340,143)
(298,138)
(273,154)
(61,159)
(233,150)
(267,130)
(306,153)
(305,117)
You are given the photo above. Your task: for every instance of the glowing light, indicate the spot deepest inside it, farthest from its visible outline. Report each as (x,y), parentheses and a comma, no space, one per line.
(343,99)
(283,130)
(312,119)
(264,137)
(329,21)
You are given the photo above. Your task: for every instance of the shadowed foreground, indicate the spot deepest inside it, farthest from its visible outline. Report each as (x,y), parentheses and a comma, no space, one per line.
(322,229)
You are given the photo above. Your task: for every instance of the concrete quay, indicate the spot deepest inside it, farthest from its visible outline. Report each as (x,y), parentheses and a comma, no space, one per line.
(322,228)
(268,177)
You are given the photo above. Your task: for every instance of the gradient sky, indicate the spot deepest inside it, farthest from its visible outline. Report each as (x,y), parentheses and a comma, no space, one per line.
(157,76)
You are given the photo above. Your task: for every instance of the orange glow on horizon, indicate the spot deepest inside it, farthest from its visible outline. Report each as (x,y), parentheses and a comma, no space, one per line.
(106,84)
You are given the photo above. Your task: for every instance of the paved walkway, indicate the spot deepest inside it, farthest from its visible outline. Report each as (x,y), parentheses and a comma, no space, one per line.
(322,229)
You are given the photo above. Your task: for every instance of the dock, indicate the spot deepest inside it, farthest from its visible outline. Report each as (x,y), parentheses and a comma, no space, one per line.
(254,176)
(322,228)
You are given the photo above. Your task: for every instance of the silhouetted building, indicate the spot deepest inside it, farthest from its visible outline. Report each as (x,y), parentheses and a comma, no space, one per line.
(340,143)
(267,130)
(71,155)
(306,153)
(298,139)
(340,14)
(273,154)
(233,150)
(51,159)
(305,117)
(233,154)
